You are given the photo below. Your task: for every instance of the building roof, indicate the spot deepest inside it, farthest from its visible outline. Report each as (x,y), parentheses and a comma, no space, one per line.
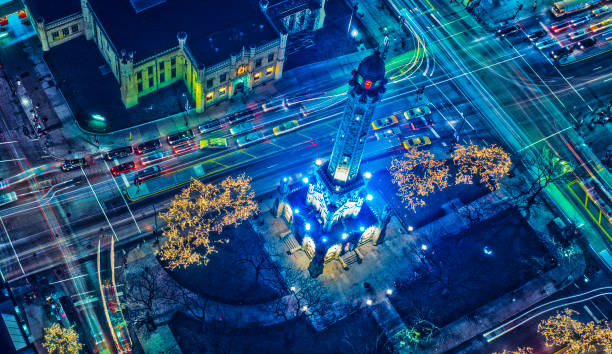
(215,29)
(90,90)
(372,67)
(52,10)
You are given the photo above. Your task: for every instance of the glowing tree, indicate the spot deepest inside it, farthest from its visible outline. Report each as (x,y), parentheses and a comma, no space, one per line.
(202,209)
(489,163)
(61,340)
(562,330)
(417,175)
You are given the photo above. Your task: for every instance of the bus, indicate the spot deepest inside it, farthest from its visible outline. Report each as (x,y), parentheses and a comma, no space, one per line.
(566,7)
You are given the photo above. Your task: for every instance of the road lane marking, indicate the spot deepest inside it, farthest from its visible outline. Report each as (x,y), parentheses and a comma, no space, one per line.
(598,309)
(588,310)
(11,243)
(434,132)
(100,204)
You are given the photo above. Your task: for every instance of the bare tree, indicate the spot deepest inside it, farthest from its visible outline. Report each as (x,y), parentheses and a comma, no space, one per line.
(547,171)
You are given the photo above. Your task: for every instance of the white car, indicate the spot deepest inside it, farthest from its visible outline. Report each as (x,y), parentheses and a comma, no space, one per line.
(241,128)
(250,138)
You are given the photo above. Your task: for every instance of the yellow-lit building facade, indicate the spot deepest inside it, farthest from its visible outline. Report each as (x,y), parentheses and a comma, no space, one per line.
(238,73)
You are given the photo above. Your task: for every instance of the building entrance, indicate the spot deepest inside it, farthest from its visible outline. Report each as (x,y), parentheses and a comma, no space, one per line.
(240,84)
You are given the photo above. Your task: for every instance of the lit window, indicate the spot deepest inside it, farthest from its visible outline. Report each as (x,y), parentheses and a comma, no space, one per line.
(222,91)
(55,35)
(257,76)
(368,84)
(209,96)
(269,71)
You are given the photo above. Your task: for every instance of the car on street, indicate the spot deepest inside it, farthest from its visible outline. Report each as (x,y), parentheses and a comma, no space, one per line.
(285,127)
(148,146)
(8,197)
(241,128)
(148,173)
(561,25)
(274,104)
(153,158)
(180,137)
(250,138)
(382,123)
(508,30)
(70,165)
(420,123)
(560,52)
(546,42)
(210,126)
(417,142)
(534,36)
(417,112)
(123,168)
(240,116)
(214,143)
(184,146)
(119,153)
(587,43)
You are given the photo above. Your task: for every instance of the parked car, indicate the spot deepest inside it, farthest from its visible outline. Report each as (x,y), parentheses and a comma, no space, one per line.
(214,143)
(250,138)
(69,165)
(382,123)
(123,168)
(561,52)
(421,123)
(148,173)
(587,43)
(274,104)
(534,36)
(417,142)
(152,158)
(8,198)
(241,128)
(184,146)
(148,146)
(285,127)
(508,30)
(119,153)
(180,137)
(240,116)
(210,126)
(417,112)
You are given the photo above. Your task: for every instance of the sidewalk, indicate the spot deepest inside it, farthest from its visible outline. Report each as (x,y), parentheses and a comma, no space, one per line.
(491,14)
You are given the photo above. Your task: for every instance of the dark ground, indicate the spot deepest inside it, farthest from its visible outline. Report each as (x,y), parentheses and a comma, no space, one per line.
(457,276)
(229,276)
(329,42)
(433,208)
(358,333)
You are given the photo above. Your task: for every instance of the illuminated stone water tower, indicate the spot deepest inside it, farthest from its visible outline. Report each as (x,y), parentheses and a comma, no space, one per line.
(337,191)
(331,215)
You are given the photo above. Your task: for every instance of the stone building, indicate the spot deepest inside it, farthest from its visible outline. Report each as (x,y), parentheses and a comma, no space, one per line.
(295,15)
(151,44)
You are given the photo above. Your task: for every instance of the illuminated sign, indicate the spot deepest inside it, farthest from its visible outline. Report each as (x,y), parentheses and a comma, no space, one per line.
(368,84)
(241,69)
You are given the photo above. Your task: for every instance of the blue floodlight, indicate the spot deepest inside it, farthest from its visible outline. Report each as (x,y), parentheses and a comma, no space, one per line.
(324,239)
(307,226)
(284,179)
(344,236)
(354,33)
(305,180)
(487,251)
(362,228)
(369,197)
(98,117)
(296,210)
(367,175)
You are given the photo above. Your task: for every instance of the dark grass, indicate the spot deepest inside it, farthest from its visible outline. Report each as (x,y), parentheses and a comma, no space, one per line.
(457,277)
(434,207)
(227,278)
(357,333)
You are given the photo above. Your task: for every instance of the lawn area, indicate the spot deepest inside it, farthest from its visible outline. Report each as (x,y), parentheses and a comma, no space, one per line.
(457,276)
(230,275)
(433,208)
(357,333)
